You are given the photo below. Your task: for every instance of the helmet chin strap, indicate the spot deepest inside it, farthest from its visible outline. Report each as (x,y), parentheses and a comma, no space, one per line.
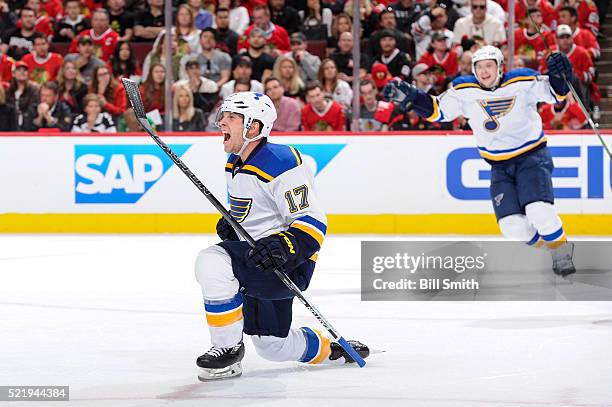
(247,140)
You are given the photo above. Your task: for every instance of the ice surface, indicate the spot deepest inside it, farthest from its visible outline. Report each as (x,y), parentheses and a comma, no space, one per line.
(119,319)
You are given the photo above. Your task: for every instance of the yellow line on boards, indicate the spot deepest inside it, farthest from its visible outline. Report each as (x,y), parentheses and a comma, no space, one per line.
(447,224)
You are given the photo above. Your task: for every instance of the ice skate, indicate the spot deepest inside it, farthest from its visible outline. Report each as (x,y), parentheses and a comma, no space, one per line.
(221,363)
(563,264)
(339,354)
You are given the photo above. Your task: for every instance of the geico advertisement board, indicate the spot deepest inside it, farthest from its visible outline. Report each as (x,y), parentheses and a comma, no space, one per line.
(354,174)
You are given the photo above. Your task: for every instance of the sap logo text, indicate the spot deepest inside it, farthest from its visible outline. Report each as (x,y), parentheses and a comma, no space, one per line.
(466,178)
(111,174)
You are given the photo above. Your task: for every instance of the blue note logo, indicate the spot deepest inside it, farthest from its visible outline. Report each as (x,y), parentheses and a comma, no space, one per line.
(495,108)
(118,174)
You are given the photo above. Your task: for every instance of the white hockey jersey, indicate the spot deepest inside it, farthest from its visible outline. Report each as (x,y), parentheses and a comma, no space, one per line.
(505,121)
(273,191)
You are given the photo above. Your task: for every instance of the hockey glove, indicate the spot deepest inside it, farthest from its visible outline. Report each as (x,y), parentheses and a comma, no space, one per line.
(225,231)
(559,65)
(274,252)
(400,92)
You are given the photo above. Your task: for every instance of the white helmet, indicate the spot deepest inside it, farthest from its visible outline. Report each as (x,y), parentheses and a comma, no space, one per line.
(252,106)
(489,52)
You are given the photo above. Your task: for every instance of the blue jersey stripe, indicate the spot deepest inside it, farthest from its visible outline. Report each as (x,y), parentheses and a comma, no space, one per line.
(319,225)
(312,344)
(512,149)
(218,307)
(553,236)
(534,239)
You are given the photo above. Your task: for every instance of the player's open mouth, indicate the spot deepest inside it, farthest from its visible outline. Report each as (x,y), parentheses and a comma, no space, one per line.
(226,137)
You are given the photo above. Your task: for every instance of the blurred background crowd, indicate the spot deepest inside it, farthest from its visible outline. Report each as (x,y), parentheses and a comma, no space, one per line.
(61,61)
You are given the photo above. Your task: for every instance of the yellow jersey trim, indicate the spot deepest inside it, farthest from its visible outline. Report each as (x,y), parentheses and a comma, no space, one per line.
(507,156)
(466,85)
(436,111)
(259,172)
(324,348)
(297,157)
(518,79)
(315,234)
(227,318)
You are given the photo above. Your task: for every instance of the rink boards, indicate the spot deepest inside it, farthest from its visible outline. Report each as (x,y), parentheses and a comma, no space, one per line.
(375,183)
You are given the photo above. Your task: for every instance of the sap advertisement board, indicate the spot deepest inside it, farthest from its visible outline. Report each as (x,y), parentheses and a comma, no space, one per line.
(355,174)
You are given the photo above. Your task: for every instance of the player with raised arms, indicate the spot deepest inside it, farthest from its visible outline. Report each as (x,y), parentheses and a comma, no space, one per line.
(271,194)
(502,111)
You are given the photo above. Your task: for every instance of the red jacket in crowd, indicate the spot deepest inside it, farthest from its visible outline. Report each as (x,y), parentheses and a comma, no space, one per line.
(43,70)
(104,44)
(331,119)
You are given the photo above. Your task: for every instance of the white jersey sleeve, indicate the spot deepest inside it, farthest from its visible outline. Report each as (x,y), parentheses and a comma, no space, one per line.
(541,91)
(450,105)
(296,200)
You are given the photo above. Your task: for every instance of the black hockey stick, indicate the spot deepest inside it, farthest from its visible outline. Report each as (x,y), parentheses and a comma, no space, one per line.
(133,94)
(570,86)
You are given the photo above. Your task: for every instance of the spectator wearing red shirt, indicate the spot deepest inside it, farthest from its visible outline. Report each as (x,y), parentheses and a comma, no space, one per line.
(276,35)
(321,114)
(52,9)
(374,114)
(43,65)
(582,65)
(438,55)
(588,15)
(567,115)
(92,5)
(112,94)
(549,14)
(103,37)
(152,90)
(527,42)
(583,37)
(6,68)
(578,56)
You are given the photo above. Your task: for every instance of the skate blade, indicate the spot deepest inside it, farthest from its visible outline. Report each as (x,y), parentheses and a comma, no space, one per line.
(206,375)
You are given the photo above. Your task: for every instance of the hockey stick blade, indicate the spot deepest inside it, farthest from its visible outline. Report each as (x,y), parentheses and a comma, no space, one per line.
(133,95)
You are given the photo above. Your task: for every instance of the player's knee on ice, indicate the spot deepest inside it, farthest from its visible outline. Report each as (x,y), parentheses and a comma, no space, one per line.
(281,349)
(214,273)
(544,217)
(516,227)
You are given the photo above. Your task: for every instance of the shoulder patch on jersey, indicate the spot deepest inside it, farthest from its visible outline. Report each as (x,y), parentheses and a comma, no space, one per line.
(272,160)
(466,81)
(518,75)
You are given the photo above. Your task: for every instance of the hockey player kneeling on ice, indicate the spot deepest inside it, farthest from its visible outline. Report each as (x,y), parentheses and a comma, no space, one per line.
(502,111)
(272,196)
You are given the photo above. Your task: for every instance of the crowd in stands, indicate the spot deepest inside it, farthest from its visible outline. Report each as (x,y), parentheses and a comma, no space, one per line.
(61,61)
